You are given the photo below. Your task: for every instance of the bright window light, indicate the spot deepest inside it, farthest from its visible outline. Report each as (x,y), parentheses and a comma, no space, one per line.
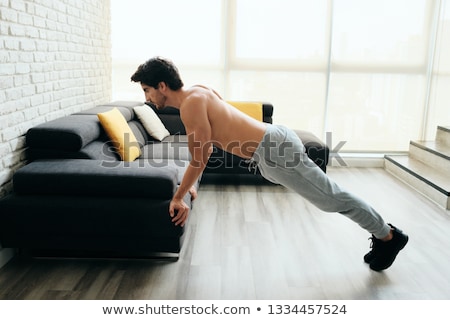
(377,32)
(283,29)
(185,31)
(374,73)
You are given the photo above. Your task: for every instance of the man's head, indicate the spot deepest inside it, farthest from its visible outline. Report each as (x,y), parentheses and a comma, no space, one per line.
(157,70)
(156,76)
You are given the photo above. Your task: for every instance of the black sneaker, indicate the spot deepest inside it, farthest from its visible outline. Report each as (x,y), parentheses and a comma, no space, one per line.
(369,256)
(383,253)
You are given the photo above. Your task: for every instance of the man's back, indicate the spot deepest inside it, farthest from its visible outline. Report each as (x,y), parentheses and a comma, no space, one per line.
(231,130)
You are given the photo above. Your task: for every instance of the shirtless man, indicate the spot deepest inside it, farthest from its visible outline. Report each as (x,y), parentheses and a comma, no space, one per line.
(210,120)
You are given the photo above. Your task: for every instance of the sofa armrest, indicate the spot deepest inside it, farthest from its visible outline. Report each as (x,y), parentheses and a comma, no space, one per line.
(317,150)
(96,178)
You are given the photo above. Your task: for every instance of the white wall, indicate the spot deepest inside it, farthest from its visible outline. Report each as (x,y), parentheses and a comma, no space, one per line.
(55,59)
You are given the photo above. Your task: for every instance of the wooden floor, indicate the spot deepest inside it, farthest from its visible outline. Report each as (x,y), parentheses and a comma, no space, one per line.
(264,242)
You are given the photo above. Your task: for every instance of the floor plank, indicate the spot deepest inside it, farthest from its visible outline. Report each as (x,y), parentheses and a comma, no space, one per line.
(249,241)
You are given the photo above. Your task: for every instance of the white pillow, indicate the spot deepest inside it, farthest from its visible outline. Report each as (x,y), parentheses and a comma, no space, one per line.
(151,122)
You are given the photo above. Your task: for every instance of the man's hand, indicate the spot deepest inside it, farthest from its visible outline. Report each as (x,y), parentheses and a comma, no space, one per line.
(178,211)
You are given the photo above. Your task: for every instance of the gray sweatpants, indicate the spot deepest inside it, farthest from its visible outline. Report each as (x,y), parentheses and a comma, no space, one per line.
(282,159)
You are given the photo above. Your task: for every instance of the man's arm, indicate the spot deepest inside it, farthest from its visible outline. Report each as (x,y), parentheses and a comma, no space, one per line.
(195,119)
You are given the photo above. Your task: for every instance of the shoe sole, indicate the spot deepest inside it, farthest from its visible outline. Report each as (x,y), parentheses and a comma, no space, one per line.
(393,259)
(369,257)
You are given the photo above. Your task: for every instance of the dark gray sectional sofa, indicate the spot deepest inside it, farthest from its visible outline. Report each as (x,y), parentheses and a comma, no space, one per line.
(76,197)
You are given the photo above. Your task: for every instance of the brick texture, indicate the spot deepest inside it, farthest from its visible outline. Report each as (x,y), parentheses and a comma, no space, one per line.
(55,59)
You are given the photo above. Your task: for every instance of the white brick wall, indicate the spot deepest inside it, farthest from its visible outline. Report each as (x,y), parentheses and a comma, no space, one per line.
(55,59)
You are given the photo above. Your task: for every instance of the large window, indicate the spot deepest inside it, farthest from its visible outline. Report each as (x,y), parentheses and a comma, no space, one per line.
(187,32)
(437,111)
(375,73)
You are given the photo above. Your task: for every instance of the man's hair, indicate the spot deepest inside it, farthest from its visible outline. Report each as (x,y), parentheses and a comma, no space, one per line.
(157,70)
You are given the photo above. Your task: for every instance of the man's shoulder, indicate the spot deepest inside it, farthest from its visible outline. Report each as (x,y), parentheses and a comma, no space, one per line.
(206,90)
(193,105)
(194,100)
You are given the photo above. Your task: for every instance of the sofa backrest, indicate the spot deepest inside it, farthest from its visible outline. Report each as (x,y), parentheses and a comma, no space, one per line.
(170,117)
(81,136)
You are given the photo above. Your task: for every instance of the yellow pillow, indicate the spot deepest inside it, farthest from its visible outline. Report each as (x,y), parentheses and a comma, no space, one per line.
(120,133)
(253,109)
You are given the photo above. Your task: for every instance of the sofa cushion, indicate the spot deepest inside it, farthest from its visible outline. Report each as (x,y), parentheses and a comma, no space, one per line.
(166,150)
(100,149)
(180,165)
(178,138)
(170,117)
(151,122)
(253,109)
(69,133)
(121,134)
(96,178)
(139,132)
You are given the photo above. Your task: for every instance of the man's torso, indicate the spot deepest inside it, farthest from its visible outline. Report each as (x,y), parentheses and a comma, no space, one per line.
(231,130)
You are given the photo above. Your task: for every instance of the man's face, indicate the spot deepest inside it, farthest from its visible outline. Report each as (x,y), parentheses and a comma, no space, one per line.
(154,96)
